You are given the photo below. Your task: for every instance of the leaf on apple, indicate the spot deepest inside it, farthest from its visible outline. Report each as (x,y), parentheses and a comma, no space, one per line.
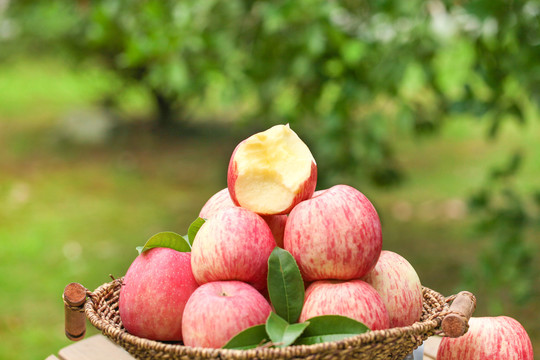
(330,328)
(285,285)
(194,229)
(250,338)
(281,332)
(166,239)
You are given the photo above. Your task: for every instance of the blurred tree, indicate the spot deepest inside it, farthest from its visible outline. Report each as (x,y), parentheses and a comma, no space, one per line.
(505,270)
(354,74)
(175,49)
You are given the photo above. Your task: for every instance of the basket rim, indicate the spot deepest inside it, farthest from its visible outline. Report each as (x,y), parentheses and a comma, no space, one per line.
(421,329)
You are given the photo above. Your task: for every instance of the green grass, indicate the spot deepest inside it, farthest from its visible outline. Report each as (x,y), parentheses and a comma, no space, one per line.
(76,212)
(35,92)
(79,218)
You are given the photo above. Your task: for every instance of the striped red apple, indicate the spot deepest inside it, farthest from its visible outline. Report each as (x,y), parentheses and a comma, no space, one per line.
(219,310)
(154,293)
(222,200)
(335,235)
(355,299)
(489,338)
(397,282)
(234,244)
(219,201)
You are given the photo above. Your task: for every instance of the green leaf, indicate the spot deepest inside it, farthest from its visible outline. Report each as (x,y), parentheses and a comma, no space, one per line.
(330,328)
(248,339)
(167,239)
(281,332)
(194,229)
(285,285)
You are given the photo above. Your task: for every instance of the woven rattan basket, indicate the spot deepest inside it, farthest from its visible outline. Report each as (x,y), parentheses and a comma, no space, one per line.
(101,308)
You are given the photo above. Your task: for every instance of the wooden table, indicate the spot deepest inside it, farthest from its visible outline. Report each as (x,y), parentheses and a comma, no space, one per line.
(98,347)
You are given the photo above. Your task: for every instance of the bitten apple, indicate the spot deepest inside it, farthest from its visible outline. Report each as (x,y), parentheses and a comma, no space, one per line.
(397,282)
(222,200)
(233,244)
(335,235)
(219,310)
(489,338)
(154,293)
(272,171)
(355,299)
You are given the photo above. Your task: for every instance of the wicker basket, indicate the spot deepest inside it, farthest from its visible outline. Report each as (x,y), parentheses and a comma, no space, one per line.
(101,308)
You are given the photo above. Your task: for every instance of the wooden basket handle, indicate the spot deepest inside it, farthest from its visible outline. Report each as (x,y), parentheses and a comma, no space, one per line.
(75,320)
(456,323)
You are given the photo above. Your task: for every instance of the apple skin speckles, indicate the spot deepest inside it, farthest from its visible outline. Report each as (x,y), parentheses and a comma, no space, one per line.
(334,235)
(355,299)
(397,282)
(489,338)
(233,244)
(219,310)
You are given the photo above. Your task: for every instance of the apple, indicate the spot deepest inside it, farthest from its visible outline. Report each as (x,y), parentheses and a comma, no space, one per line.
(222,200)
(276,223)
(154,292)
(354,298)
(397,282)
(219,201)
(488,338)
(335,235)
(219,310)
(271,171)
(233,244)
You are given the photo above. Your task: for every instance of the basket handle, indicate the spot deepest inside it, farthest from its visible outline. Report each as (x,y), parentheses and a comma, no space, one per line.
(75,320)
(456,323)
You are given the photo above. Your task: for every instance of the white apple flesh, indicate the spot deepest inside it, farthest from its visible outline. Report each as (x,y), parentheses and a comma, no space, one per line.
(154,293)
(335,235)
(272,171)
(233,244)
(397,282)
(217,311)
(489,338)
(355,299)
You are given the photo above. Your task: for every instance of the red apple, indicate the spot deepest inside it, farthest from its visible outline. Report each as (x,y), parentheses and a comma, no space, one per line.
(233,244)
(355,299)
(335,235)
(276,223)
(154,293)
(397,282)
(489,338)
(219,310)
(219,201)
(319,192)
(272,171)
(222,200)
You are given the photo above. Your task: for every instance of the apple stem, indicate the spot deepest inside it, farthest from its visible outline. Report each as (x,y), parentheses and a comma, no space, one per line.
(74,297)
(456,323)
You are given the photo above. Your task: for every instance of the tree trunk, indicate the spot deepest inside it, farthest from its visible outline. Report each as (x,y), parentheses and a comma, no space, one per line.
(165,110)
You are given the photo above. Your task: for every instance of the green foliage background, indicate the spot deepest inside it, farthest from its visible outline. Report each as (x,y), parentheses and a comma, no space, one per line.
(395,98)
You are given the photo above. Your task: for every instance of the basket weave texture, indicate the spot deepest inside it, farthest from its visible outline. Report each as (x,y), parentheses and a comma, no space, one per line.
(101,309)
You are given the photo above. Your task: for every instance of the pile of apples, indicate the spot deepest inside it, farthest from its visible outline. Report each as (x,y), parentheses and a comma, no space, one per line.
(208,295)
